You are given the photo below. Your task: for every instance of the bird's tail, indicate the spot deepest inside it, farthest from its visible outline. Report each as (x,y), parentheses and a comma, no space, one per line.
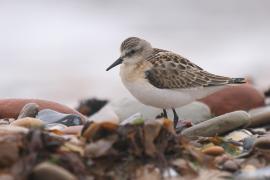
(237,81)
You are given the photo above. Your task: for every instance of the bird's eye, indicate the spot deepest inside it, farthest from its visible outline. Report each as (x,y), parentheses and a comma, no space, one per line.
(131,52)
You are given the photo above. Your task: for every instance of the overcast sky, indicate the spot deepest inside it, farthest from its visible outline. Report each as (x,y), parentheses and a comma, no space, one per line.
(59,49)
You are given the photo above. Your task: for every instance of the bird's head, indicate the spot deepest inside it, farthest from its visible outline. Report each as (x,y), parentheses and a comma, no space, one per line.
(133,50)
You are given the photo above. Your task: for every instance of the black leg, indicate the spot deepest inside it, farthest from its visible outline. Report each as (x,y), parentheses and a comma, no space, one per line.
(175,118)
(165,113)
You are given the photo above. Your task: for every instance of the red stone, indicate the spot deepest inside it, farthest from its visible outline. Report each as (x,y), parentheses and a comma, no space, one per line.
(10,108)
(233,98)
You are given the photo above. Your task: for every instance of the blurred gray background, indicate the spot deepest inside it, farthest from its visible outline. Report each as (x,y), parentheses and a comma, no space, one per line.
(59,49)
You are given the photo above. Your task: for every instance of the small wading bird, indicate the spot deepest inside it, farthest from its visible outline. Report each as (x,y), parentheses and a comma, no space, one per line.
(164,79)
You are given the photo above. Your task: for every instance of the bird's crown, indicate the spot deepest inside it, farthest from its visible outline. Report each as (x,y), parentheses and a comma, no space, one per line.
(129,43)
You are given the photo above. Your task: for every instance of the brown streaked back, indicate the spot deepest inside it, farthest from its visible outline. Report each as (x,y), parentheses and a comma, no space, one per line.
(171,71)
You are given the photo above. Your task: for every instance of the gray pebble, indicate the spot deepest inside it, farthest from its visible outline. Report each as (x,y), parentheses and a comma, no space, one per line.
(248,143)
(260,116)
(195,112)
(29,110)
(231,166)
(219,125)
(262,142)
(49,116)
(46,170)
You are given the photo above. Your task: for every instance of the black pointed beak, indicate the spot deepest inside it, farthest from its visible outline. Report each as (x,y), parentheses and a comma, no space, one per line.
(117,62)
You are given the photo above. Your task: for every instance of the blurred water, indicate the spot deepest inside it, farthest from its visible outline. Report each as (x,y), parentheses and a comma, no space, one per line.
(59,50)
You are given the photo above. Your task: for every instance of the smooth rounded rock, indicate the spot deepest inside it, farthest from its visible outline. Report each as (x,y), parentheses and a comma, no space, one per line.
(29,110)
(213,150)
(219,125)
(263,142)
(233,98)
(231,165)
(260,116)
(195,112)
(49,116)
(10,108)
(28,123)
(44,171)
(13,129)
(259,131)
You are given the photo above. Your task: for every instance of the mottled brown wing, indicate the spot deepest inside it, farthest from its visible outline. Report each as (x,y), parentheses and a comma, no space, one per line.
(171,71)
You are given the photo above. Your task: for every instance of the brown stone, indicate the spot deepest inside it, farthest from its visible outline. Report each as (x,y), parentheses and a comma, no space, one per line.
(13,129)
(233,98)
(28,122)
(9,153)
(213,150)
(10,108)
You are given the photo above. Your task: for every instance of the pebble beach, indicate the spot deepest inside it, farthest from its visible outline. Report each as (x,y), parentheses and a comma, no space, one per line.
(220,137)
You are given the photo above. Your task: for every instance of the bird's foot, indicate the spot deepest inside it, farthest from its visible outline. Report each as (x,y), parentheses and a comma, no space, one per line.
(162,115)
(181,125)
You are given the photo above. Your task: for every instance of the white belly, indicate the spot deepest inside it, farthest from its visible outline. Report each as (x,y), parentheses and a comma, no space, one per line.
(166,98)
(133,78)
